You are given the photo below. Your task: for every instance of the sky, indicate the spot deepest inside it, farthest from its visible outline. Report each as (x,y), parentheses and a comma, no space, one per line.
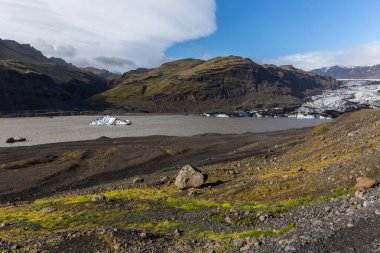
(120,35)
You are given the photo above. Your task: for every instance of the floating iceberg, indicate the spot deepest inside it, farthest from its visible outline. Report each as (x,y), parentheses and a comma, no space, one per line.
(110,121)
(222,115)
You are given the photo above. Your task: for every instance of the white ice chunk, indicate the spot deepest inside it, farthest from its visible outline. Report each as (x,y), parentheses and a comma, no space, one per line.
(110,121)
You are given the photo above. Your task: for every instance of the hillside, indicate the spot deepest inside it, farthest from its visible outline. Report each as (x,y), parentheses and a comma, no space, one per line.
(31,81)
(294,194)
(357,72)
(22,89)
(223,83)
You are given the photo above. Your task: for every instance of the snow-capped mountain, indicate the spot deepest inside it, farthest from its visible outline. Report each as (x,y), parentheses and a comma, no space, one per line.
(358,72)
(351,95)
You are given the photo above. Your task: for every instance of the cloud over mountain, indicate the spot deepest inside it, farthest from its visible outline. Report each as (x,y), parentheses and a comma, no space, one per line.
(109,34)
(365,54)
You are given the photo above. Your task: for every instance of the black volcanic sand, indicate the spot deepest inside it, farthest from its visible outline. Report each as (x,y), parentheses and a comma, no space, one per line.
(32,172)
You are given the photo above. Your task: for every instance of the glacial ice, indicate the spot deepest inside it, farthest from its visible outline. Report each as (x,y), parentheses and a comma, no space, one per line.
(110,121)
(350,95)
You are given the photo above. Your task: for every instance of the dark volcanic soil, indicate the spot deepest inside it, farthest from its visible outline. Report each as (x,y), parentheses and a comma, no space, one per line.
(31,172)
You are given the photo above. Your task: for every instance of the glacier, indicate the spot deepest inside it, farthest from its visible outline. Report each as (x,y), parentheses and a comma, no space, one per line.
(351,95)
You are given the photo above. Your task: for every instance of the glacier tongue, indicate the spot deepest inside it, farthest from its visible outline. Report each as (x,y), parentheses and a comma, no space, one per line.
(110,121)
(351,95)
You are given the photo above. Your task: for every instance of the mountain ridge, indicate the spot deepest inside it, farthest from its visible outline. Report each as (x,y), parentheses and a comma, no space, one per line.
(352,72)
(27,74)
(222,83)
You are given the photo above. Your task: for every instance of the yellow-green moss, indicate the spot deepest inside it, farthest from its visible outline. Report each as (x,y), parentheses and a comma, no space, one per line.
(250,233)
(322,128)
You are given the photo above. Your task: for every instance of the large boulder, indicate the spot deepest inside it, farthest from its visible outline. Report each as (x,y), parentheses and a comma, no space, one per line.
(190,177)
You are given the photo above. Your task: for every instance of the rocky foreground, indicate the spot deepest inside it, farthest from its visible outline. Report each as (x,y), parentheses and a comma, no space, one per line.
(317,194)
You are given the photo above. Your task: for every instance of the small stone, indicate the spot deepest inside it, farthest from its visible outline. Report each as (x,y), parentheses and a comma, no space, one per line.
(245,248)
(177,232)
(98,198)
(290,248)
(252,241)
(317,223)
(377,212)
(4,224)
(239,243)
(228,219)
(165,180)
(15,247)
(143,235)
(359,194)
(350,225)
(364,183)
(262,218)
(137,180)
(194,193)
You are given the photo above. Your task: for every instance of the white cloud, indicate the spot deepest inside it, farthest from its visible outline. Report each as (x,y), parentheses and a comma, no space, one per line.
(365,54)
(81,31)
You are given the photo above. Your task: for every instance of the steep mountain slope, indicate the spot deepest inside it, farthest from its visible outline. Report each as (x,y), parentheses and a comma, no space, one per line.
(223,83)
(27,73)
(358,72)
(23,90)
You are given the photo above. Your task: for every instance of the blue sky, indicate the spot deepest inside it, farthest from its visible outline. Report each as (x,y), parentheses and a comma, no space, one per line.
(282,30)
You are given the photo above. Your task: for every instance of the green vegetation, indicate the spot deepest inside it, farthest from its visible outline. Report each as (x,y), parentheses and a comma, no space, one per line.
(80,212)
(252,233)
(322,128)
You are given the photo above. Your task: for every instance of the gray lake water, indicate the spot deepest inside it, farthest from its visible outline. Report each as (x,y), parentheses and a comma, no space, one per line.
(74,128)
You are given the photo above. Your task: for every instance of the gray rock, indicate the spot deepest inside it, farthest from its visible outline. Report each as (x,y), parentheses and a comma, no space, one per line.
(137,180)
(98,198)
(239,243)
(262,218)
(252,241)
(290,248)
(15,247)
(4,224)
(190,177)
(165,180)
(228,219)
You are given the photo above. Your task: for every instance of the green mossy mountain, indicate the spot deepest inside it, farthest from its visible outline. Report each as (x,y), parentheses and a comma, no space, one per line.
(220,84)
(31,81)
